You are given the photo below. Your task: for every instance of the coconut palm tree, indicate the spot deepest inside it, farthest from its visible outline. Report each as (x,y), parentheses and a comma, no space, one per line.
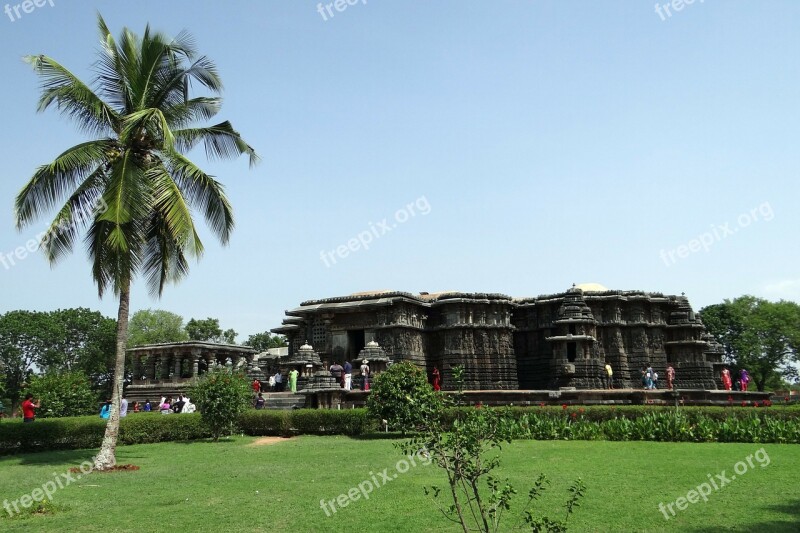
(132,189)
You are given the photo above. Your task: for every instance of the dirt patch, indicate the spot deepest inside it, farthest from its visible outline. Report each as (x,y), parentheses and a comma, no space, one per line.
(266,441)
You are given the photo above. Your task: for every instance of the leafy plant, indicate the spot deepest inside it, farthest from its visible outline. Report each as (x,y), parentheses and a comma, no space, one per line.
(403,397)
(221,397)
(63,394)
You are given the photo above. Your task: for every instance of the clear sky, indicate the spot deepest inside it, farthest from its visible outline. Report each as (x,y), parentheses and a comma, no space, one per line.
(540,143)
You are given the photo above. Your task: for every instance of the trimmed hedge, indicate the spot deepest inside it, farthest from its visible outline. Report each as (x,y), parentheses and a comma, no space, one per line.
(690,424)
(87,432)
(351,422)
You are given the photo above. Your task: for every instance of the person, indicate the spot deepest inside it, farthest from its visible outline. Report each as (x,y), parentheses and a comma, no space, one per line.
(609,376)
(271,383)
(256,386)
(337,371)
(648,377)
(105,411)
(147,406)
(123,407)
(670,377)
(29,408)
(177,407)
(745,378)
(365,373)
(278,381)
(259,403)
(737,385)
(655,380)
(166,406)
(135,407)
(726,378)
(644,379)
(293,373)
(189,407)
(348,375)
(437,379)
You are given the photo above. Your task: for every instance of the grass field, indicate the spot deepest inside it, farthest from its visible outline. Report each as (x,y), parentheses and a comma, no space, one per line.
(236,486)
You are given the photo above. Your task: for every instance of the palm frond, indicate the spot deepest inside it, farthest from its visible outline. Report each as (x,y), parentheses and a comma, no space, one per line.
(81,208)
(51,183)
(205,193)
(72,97)
(150,125)
(221,142)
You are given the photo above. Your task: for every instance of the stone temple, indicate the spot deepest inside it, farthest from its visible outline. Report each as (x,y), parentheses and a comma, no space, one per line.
(549,342)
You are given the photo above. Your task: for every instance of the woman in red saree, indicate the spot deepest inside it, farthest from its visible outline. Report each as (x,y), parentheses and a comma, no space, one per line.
(726,379)
(437,379)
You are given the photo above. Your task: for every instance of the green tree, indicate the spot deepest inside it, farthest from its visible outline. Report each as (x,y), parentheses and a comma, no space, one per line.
(131,183)
(220,397)
(154,326)
(81,339)
(264,341)
(209,330)
(403,397)
(758,335)
(24,339)
(63,394)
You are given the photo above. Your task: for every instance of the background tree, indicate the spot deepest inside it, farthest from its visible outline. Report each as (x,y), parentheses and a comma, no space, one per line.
(23,340)
(758,335)
(209,330)
(133,176)
(80,339)
(154,326)
(63,394)
(264,341)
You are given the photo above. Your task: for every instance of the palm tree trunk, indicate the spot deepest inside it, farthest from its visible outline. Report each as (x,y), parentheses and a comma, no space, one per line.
(107,456)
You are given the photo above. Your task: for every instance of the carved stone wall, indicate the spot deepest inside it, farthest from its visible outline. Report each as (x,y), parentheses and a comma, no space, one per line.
(510,344)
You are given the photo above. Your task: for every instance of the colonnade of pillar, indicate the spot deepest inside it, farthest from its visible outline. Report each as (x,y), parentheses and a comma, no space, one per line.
(181,364)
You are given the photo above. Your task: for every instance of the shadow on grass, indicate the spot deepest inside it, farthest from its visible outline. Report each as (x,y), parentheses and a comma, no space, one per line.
(788,525)
(392,435)
(73,457)
(222,440)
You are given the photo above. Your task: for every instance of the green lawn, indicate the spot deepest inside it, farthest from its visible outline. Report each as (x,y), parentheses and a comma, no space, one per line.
(231,486)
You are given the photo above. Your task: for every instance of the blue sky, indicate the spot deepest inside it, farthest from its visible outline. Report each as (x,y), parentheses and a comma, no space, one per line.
(539,143)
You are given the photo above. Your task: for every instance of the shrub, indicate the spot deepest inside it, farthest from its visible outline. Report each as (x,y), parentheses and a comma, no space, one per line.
(403,397)
(63,394)
(221,397)
(265,423)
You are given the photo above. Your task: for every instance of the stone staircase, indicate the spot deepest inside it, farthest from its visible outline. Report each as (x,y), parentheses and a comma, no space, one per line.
(284,400)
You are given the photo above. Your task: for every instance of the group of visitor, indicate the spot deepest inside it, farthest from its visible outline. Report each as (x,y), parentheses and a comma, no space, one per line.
(738,385)
(168,406)
(649,377)
(344,374)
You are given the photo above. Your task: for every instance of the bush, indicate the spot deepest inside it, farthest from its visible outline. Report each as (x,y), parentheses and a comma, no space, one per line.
(548,423)
(221,397)
(403,397)
(63,394)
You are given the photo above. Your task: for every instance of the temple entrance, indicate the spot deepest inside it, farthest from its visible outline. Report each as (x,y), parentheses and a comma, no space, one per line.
(355,343)
(572,350)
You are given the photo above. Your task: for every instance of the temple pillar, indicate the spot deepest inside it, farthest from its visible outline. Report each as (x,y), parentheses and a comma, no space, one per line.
(151,366)
(164,366)
(137,366)
(195,363)
(177,364)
